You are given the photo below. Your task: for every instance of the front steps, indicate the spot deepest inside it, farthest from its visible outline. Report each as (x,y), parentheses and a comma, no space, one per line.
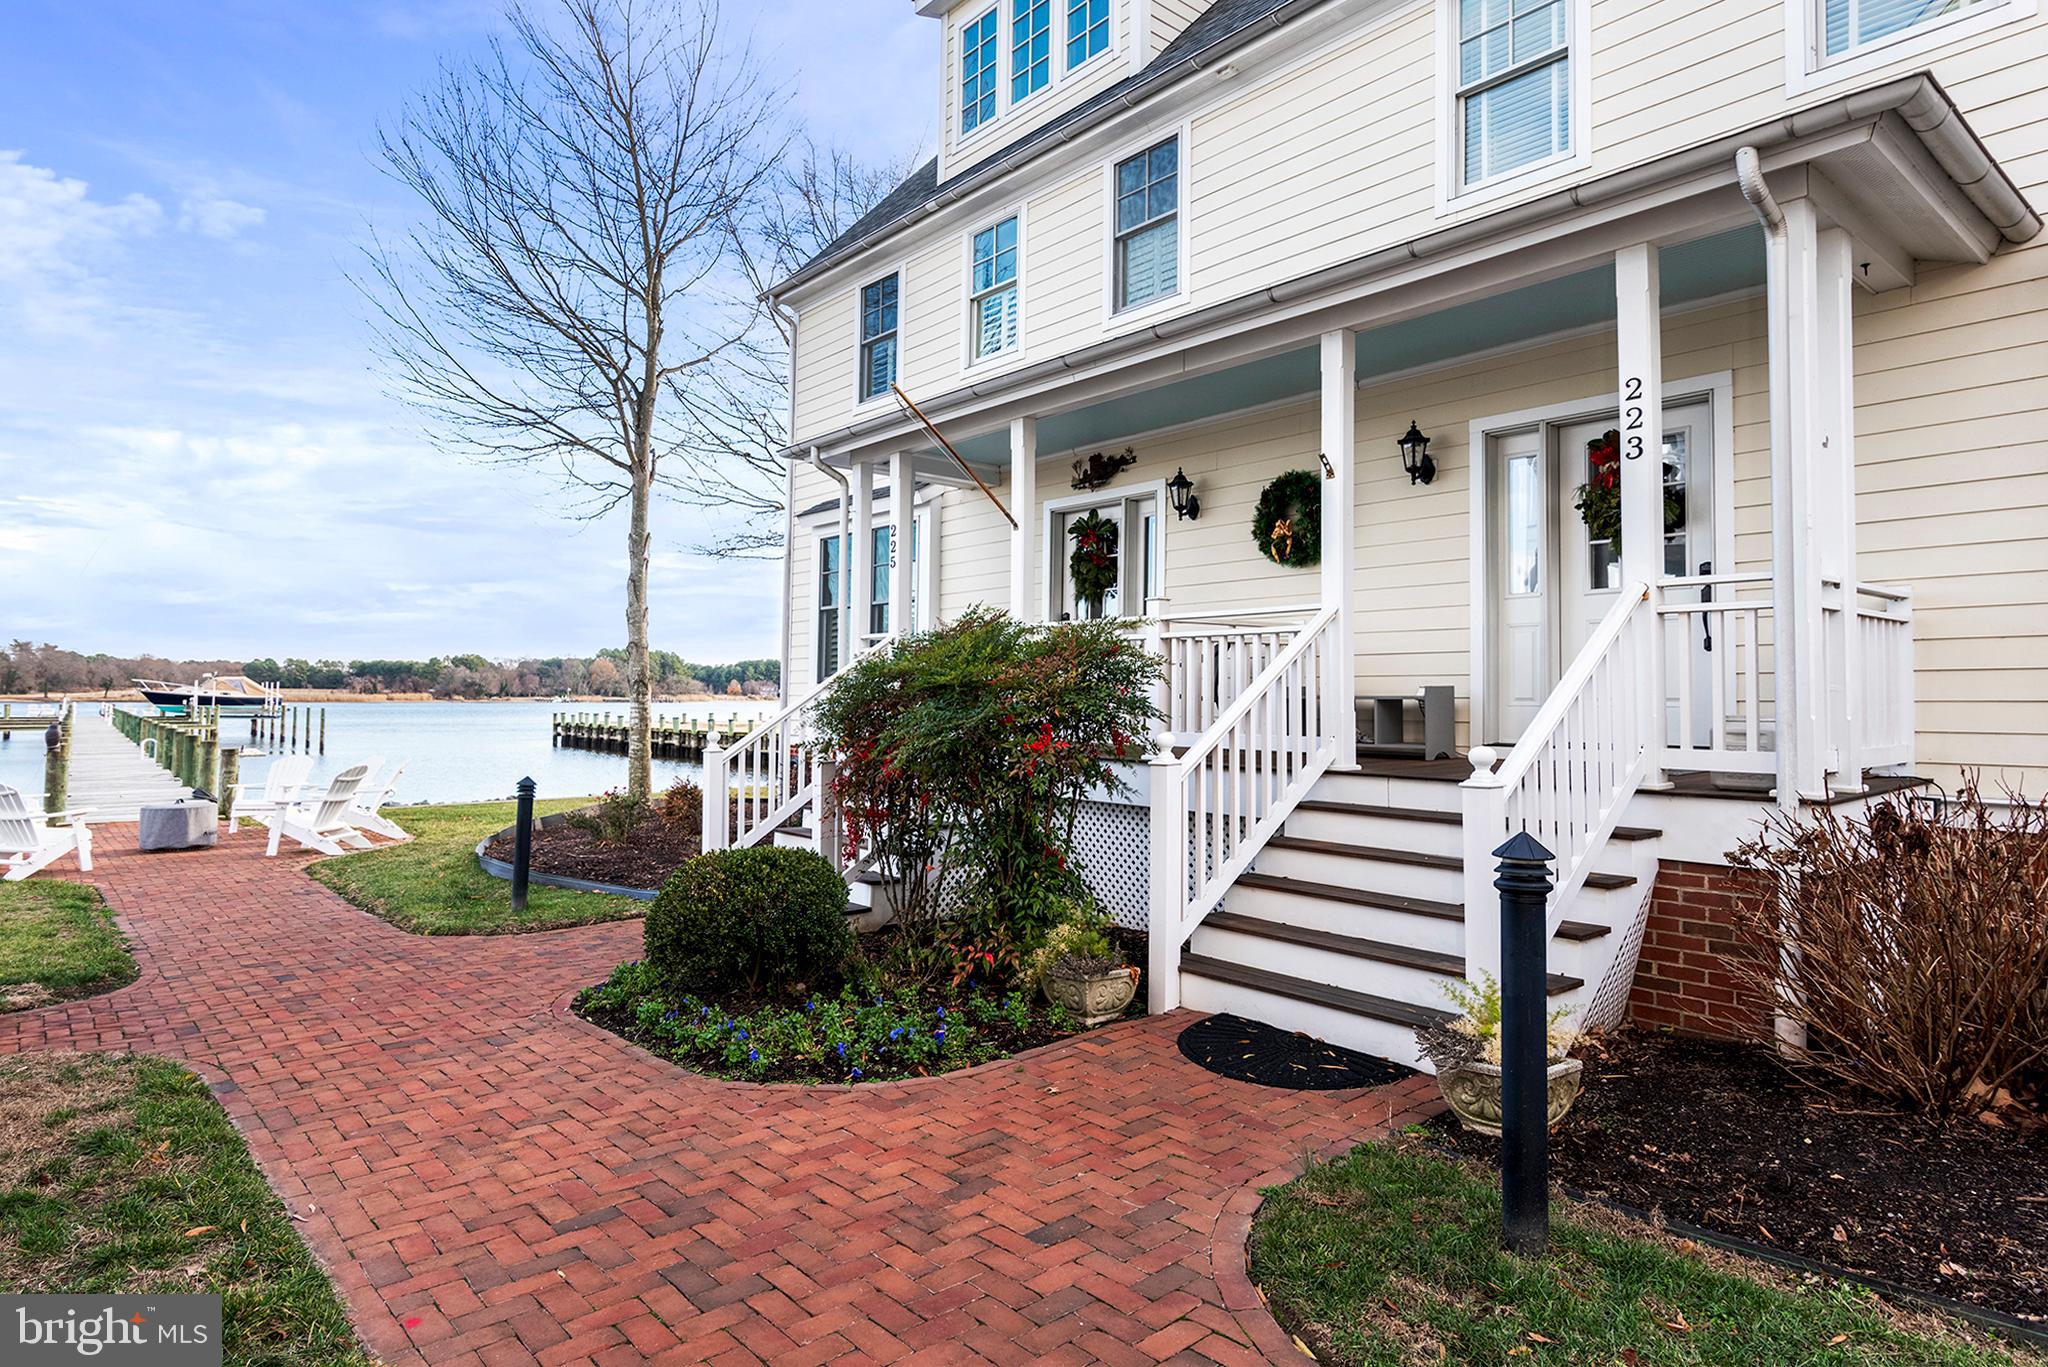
(1351,920)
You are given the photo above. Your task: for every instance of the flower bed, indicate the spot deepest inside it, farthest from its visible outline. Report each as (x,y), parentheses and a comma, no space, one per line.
(860,1034)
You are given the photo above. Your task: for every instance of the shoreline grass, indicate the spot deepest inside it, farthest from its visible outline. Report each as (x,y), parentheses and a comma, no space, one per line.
(431,885)
(1390,1256)
(123,1174)
(58,942)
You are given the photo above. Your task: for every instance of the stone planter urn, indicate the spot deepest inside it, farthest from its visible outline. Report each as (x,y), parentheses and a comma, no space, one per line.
(1093,991)
(1473,1089)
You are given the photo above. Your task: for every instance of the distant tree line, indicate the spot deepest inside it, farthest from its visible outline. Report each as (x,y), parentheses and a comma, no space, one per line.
(46,669)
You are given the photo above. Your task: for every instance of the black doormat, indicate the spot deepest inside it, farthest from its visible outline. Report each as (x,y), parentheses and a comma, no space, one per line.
(1250,1052)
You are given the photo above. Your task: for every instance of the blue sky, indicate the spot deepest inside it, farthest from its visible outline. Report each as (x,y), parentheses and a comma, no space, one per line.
(196,457)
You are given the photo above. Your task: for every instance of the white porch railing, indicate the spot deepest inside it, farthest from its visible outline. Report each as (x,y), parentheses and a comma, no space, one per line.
(767,777)
(1570,777)
(1216,805)
(1717,670)
(1873,676)
(1208,662)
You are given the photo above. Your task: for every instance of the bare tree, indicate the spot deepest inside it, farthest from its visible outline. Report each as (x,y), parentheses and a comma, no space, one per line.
(739,420)
(573,281)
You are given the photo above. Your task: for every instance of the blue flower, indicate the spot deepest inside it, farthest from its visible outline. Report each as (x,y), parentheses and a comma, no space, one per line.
(743,1034)
(671,1015)
(856,1075)
(753,1055)
(810,1006)
(940,1036)
(897,1033)
(942,1013)
(842,1049)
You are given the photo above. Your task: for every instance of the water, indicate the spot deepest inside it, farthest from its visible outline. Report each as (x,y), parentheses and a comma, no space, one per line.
(454,752)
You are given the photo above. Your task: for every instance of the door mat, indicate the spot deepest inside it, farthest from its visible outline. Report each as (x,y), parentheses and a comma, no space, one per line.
(1247,1051)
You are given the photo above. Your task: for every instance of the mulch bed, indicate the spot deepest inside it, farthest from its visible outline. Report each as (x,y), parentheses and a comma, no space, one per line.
(1721,1137)
(646,860)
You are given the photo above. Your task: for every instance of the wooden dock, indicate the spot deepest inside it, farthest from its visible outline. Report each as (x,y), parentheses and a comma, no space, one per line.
(672,740)
(111,775)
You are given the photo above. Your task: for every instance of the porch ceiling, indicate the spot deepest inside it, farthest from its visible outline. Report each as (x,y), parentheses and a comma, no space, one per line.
(1704,268)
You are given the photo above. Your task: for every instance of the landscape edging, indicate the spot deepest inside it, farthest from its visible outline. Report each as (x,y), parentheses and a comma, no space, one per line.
(498,868)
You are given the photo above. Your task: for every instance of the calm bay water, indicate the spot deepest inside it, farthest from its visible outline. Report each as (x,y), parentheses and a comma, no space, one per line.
(454,752)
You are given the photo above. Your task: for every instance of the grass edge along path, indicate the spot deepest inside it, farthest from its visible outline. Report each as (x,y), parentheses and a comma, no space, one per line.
(431,885)
(58,942)
(1390,1257)
(125,1175)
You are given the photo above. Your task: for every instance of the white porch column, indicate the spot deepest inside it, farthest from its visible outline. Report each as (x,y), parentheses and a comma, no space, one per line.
(1639,339)
(1026,605)
(1834,498)
(1798,425)
(1339,521)
(902,531)
(860,556)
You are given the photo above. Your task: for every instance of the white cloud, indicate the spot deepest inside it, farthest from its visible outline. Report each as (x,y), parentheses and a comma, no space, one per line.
(54,240)
(211,214)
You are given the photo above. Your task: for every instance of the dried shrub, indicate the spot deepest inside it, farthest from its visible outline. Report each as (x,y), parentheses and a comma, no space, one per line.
(682,806)
(611,819)
(1911,944)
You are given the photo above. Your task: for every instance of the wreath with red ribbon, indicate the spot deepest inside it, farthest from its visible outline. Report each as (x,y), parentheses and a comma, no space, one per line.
(1092,566)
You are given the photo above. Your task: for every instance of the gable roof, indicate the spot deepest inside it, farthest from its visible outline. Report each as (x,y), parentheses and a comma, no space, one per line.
(1219,29)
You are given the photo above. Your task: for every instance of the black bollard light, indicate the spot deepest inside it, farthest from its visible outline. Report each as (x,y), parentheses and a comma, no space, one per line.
(522,844)
(1524,883)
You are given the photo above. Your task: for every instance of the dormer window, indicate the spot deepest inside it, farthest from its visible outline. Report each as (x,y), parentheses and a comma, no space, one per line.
(1087,30)
(978,72)
(1030,47)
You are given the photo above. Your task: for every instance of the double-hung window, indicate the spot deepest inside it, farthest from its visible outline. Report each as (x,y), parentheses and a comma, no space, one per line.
(1148,225)
(993,304)
(1514,85)
(978,72)
(831,603)
(1030,47)
(1087,30)
(1850,25)
(878,324)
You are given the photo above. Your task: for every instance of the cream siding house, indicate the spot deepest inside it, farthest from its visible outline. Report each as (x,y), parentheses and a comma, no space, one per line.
(1788,246)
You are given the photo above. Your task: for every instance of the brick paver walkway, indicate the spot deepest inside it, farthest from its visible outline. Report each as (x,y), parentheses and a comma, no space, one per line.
(491,1180)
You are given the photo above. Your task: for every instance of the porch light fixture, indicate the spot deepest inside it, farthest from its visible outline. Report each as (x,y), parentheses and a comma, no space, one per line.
(1181,490)
(1415,456)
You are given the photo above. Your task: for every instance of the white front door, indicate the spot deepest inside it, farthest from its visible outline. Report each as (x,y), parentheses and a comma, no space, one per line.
(1554,580)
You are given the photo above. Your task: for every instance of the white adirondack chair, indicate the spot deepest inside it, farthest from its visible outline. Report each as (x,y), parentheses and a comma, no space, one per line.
(367,813)
(30,844)
(322,823)
(280,789)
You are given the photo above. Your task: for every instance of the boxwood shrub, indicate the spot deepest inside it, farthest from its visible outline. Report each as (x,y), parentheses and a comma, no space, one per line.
(764,922)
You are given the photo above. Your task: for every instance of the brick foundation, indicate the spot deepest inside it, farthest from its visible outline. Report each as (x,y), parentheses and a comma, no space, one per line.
(1687,978)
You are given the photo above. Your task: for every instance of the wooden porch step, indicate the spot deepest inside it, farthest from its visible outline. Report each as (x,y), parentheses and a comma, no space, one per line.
(1387,901)
(1316,994)
(1623,833)
(1377,854)
(1358,947)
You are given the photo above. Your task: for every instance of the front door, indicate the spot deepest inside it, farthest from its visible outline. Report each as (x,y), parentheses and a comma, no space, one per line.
(1555,580)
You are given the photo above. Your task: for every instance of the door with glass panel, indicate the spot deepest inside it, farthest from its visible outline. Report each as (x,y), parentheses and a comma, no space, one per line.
(1522,534)
(1105,558)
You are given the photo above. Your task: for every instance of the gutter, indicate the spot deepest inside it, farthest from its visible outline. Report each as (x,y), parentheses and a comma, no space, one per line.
(1917,99)
(1145,85)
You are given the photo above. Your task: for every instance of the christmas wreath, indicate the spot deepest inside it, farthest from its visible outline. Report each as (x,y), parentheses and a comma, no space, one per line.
(1599,498)
(1093,563)
(1288,523)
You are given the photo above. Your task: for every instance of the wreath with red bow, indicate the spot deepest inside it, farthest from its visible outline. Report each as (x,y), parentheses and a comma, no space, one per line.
(1599,498)
(1093,563)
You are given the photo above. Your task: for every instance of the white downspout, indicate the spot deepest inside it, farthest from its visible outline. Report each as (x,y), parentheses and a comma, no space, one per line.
(1749,178)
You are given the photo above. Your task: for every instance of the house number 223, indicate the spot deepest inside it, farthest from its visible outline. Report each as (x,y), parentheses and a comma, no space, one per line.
(1632,425)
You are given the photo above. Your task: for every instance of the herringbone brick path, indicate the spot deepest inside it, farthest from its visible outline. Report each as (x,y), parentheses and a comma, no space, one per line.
(491,1180)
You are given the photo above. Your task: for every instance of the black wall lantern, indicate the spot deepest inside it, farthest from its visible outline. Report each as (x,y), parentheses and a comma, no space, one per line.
(1415,456)
(1181,490)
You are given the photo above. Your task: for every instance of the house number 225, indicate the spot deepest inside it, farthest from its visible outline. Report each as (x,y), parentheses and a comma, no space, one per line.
(1632,425)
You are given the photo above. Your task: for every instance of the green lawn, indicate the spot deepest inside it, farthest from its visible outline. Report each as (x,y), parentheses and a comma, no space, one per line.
(57,942)
(1390,1257)
(432,885)
(122,1174)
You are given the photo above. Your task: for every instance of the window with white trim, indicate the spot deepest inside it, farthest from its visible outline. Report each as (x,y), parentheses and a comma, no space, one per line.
(992,290)
(1147,227)
(1849,26)
(978,72)
(1030,47)
(879,317)
(831,602)
(1087,30)
(1514,86)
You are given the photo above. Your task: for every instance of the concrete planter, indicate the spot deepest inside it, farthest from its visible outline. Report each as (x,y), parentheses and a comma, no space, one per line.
(1093,997)
(1473,1089)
